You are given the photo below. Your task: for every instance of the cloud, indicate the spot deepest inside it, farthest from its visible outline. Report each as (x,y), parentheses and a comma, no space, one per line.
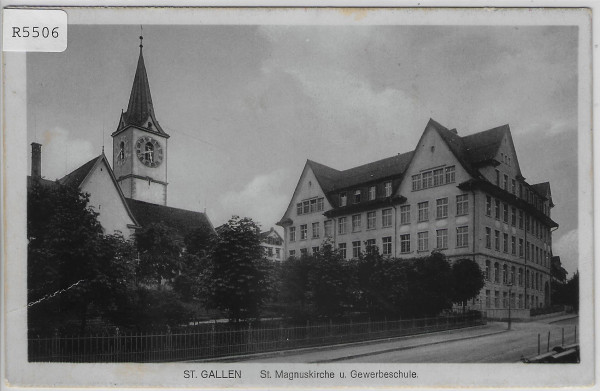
(260,199)
(567,248)
(63,153)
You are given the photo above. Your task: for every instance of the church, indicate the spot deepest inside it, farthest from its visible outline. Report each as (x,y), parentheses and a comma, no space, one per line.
(132,193)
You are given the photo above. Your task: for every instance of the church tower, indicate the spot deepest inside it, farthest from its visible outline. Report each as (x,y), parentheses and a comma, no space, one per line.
(140,145)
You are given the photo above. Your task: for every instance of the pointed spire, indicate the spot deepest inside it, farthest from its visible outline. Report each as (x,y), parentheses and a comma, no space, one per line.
(140,110)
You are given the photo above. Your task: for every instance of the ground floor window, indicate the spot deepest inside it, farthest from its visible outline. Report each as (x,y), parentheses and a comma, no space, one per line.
(387,245)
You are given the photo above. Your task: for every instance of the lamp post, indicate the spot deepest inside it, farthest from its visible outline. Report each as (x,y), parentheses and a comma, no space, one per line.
(509,303)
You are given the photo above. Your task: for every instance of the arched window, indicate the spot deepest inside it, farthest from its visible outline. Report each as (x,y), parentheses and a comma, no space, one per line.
(487,269)
(149,152)
(496,272)
(121,155)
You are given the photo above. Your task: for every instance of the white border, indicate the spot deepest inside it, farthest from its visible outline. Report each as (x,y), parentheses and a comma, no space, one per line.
(434,375)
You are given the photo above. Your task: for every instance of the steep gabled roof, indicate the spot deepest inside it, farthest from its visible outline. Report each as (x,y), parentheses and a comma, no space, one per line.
(484,146)
(140,105)
(266,234)
(75,178)
(181,220)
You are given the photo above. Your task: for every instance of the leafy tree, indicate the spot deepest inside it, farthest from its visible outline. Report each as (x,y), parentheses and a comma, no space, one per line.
(468,280)
(293,287)
(198,240)
(430,284)
(557,272)
(159,249)
(240,278)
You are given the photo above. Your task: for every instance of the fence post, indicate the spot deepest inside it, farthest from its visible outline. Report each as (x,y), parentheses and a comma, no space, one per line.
(548,345)
(538,344)
(307,329)
(169,338)
(211,348)
(55,345)
(116,345)
(249,339)
(281,339)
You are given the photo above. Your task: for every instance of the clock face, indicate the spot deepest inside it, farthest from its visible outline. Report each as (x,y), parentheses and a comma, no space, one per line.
(149,151)
(123,151)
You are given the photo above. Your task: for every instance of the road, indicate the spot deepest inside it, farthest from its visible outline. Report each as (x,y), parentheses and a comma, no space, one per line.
(491,343)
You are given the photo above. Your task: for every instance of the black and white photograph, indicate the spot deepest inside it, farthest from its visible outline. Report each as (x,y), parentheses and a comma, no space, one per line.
(297,197)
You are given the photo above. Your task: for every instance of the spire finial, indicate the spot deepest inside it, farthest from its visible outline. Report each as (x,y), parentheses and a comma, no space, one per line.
(141,36)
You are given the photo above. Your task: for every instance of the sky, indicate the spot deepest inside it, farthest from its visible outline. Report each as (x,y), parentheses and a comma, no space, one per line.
(245,106)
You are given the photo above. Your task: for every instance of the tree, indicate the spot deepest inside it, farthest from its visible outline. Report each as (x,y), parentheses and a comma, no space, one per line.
(430,284)
(557,272)
(198,240)
(467,279)
(240,278)
(160,253)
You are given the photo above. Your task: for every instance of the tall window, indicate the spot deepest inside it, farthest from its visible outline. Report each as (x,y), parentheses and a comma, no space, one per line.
(488,205)
(328,225)
(505,243)
(343,199)
(404,214)
(505,182)
(497,208)
(427,179)
(303,231)
(423,241)
(388,189)
(442,208)
(442,238)
(292,234)
(387,245)
(356,249)
(488,237)
(370,245)
(462,204)
(342,225)
(315,249)
(520,190)
(450,174)
(405,243)
(386,217)
(520,276)
(513,216)
(497,240)
(513,247)
(487,269)
(438,177)
(505,213)
(520,219)
(504,274)
(512,275)
(416,182)
(342,250)
(462,236)
(371,220)
(496,272)
(355,223)
(356,196)
(372,193)
(496,299)
(292,253)
(121,155)
(497,178)
(315,230)
(303,252)
(513,186)
(423,211)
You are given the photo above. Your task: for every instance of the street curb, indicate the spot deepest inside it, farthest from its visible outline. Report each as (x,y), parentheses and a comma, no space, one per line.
(565,318)
(317,348)
(408,347)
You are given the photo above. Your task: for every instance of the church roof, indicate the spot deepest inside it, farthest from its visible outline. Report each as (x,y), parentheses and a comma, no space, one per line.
(181,220)
(140,106)
(76,177)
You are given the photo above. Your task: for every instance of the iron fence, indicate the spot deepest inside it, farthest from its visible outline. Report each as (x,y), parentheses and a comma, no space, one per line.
(213,341)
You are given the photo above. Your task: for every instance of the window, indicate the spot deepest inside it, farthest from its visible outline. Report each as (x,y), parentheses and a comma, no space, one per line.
(372,193)
(504,299)
(299,208)
(512,275)
(305,207)
(292,234)
(269,251)
(462,236)
(320,204)
(386,217)
(387,245)
(527,279)
(371,220)
(527,228)
(355,223)
(488,237)
(513,245)
(313,205)
(442,208)
(370,245)
(505,243)
(488,205)
(356,249)
(520,190)
(497,208)
(404,214)
(315,230)
(520,219)
(520,304)
(343,199)
(388,189)
(513,186)
(303,252)
(342,250)
(497,240)
(438,177)
(505,212)
(521,248)
(505,182)
(309,206)
(504,274)
(462,204)
(121,155)
(328,228)
(416,182)
(520,276)
(497,178)
(496,299)
(292,253)
(315,249)
(450,174)
(487,269)
(303,231)
(278,253)
(513,216)
(496,272)
(423,241)
(487,298)
(342,225)
(442,238)
(427,179)
(423,211)
(356,196)
(405,243)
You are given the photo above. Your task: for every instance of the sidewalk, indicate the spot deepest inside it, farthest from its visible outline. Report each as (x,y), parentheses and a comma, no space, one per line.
(333,353)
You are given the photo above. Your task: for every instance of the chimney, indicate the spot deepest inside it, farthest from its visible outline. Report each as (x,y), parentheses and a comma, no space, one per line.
(36,160)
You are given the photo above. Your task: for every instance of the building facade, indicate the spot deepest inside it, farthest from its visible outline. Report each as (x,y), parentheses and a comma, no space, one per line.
(272,243)
(463,196)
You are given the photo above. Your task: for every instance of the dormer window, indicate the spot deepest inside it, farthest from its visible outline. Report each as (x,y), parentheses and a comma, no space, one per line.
(372,193)
(343,199)
(357,196)
(388,189)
